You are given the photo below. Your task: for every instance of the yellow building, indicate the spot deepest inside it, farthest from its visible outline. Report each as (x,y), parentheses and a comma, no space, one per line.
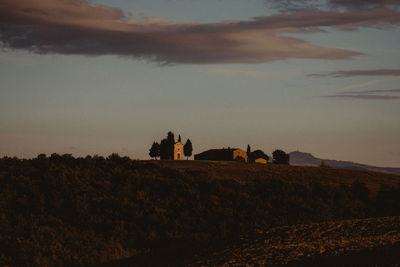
(178,151)
(261,161)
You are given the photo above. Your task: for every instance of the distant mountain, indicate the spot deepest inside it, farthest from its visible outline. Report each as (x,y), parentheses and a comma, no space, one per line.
(307,159)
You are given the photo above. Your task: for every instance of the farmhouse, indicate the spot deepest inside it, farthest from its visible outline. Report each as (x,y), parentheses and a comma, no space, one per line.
(224,154)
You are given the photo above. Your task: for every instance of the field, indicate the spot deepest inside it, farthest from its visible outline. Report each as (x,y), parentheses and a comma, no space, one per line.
(243,172)
(65,211)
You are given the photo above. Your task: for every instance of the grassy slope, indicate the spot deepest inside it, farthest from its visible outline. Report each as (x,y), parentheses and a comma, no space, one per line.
(243,172)
(56,211)
(362,242)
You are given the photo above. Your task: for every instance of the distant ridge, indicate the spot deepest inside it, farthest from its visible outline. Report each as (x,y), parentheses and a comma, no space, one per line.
(307,159)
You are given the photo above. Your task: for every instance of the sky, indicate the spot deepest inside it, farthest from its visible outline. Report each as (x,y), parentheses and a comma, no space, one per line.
(102,76)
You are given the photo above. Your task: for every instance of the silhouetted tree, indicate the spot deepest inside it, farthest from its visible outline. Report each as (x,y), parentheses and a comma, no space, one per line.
(188,149)
(42,156)
(280,157)
(155,150)
(164,149)
(171,144)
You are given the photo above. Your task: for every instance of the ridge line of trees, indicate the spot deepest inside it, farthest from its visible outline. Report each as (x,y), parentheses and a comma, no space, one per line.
(278,156)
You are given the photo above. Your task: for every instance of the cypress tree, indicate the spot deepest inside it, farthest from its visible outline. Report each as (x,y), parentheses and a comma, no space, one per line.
(188,149)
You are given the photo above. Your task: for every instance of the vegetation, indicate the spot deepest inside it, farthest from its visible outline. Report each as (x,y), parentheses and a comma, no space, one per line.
(256,154)
(165,150)
(188,148)
(171,143)
(61,210)
(155,150)
(280,157)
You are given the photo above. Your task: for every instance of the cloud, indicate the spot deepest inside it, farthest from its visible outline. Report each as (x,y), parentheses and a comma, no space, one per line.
(80,28)
(362,85)
(238,72)
(351,73)
(361,96)
(347,4)
(374,91)
(363,3)
(367,94)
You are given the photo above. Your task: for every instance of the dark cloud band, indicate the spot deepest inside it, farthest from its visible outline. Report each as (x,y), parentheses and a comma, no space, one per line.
(373,91)
(77,27)
(361,96)
(348,4)
(351,73)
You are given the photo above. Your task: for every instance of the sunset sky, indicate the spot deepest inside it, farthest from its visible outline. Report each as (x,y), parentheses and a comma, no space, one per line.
(102,76)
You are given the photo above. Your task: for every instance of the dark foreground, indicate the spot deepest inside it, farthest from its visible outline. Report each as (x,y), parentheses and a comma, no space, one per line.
(364,242)
(65,211)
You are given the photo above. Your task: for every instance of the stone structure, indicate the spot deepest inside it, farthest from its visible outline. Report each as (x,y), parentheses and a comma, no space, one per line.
(178,151)
(224,154)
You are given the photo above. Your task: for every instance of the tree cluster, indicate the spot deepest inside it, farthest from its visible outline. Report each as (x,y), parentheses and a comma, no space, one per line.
(165,149)
(278,156)
(256,154)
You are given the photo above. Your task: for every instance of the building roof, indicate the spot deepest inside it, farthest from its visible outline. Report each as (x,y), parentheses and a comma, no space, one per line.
(218,154)
(217,150)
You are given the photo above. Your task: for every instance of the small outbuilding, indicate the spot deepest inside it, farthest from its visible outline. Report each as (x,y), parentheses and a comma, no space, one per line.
(261,161)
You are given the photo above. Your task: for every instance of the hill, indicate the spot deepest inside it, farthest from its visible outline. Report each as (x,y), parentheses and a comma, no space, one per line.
(362,242)
(65,211)
(307,159)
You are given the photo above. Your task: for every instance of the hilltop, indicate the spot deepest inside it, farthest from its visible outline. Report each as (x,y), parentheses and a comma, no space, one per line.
(61,210)
(307,159)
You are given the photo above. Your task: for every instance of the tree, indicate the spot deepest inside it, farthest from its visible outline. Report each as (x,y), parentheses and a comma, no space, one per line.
(164,149)
(155,150)
(188,149)
(248,153)
(280,157)
(171,144)
(256,154)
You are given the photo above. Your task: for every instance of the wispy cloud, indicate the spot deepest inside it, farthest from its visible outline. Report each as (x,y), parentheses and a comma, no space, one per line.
(348,4)
(363,84)
(240,72)
(362,96)
(352,73)
(363,3)
(373,91)
(78,27)
(367,94)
